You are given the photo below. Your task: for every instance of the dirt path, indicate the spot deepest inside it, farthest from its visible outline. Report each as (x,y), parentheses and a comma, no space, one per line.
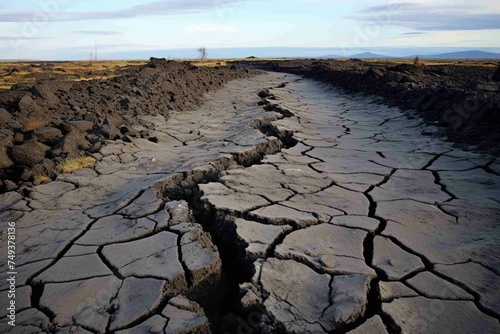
(343,215)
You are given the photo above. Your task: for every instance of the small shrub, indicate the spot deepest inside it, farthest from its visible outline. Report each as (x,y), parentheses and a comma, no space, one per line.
(72,164)
(42,179)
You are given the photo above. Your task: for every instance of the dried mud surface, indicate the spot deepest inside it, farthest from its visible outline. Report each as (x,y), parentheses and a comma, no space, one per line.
(462,101)
(281,205)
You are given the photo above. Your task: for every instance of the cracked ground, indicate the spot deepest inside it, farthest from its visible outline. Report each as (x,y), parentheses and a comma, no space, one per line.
(319,211)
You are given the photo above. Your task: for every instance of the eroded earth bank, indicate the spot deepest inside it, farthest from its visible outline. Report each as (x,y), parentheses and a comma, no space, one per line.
(282,205)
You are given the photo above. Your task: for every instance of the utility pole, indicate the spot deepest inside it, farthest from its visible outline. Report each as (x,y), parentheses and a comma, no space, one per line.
(91,57)
(95,51)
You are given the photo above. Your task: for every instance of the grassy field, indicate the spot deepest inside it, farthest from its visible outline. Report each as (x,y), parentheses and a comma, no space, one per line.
(12,73)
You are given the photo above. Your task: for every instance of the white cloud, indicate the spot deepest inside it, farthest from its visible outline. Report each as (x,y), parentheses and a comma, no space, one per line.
(210,28)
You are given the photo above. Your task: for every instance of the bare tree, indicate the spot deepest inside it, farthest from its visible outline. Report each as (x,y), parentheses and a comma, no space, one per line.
(203,53)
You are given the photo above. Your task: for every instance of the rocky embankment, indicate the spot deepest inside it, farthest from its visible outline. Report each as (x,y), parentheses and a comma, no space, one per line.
(464,101)
(42,125)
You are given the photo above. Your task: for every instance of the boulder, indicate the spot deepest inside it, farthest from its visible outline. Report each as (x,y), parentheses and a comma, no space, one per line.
(46,92)
(114,120)
(18,138)
(6,137)
(84,126)
(129,131)
(5,161)
(9,185)
(27,105)
(47,134)
(73,143)
(374,73)
(110,131)
(5,116)
(33,124)
(29,153)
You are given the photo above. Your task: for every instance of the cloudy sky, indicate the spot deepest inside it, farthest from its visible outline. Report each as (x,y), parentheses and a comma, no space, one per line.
(68,29)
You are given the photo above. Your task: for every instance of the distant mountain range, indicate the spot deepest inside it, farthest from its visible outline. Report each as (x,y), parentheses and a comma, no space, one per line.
(475,54)
(472,54)
(366,55)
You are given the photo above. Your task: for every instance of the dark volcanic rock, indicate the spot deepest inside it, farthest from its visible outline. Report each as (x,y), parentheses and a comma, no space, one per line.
(33,124)
(27,105)
(47,134)
(74,143)
(110,131)
(30,153)
(496,75)
(84,126)
(46,91)
(375,73)
(5,116)
(5,161)
(6,137)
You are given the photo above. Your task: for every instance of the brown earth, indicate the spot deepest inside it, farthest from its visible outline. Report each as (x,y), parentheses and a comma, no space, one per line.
(461,100)
(56,118)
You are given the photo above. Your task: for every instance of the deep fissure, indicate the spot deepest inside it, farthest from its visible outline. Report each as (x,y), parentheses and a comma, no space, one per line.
(236,267)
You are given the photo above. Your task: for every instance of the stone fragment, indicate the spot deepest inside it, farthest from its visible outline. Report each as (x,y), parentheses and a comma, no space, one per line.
(477,278)
(83,126)
(24,273)
(153,257)
(137,298)
(77,250)
(393,261)
(394,290)
(403,160)
(476,186)
(431,286)
(282,215)
(5,116)
(5,161)
(263,180)
(319,204)
(154,325)
(29,321)
(435,234)
(86,303)
(422,315)
(148,203)
(48,134)
(259,237)
(200,256)
(371,326)
(349,299)
(179,212)
(299,309)
(361,222)
(74,143)
(410,184)
(116,229)
(329,248)
(74,268)
(185,317)
(10,199)
(22,299)
(29,153)
(225,199)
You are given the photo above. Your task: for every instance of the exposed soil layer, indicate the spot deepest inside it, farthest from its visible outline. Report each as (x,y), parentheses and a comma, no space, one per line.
(43,124)
(462,101)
